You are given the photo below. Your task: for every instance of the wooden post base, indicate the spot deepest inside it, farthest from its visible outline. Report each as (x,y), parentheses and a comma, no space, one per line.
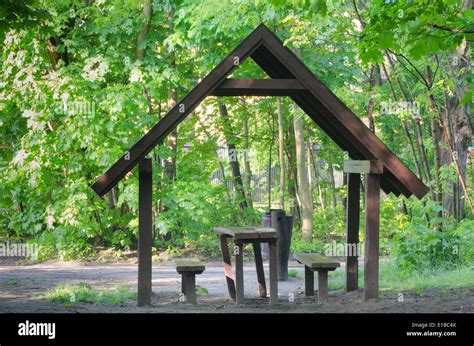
(188,285)
(322,285)
(372,221)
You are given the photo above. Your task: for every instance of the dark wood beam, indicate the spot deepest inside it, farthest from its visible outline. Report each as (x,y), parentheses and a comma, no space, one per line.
(178,113)
(343,117)
(258,87)
(343,126)
(352,231)
(145,221)
(372,223)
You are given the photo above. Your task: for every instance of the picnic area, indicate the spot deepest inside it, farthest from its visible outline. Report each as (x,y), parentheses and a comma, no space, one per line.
(265,157)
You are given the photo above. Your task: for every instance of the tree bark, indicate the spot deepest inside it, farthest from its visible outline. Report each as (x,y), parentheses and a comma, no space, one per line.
(147,13)
(281,153)
(247,169)
(374,72)
(317,178)
(290,150)
(450,144)
(172,139)
(407,128)
(436,135)
(233,158)
(270,161)
(303,183)
(333,183)
(459,122)
(308,161)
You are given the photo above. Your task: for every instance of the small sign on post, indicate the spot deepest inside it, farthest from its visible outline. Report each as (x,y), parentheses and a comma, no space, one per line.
(363,166)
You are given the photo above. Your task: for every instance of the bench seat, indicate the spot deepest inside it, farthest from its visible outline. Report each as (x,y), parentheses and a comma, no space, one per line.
(193,266)
(315,262)
(188,270)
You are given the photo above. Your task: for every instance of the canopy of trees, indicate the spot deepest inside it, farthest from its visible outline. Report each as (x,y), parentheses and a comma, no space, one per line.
(82,81)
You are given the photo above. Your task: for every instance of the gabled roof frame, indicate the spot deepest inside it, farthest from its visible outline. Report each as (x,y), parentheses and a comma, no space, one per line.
(311,95)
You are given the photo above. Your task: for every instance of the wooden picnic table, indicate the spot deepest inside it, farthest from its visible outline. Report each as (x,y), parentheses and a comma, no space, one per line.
(256,236)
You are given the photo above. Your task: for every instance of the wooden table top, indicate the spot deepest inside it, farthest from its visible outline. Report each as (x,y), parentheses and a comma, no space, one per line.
(247,232)
(316,261)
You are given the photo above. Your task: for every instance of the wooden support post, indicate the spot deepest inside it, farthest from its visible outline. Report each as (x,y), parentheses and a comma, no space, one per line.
(144,231)
(322,285)
(308,281)
(239,273)
(190,283)
(262,287)
(227,265)
(183,284)
(372,221)
(272,249)
(352,230)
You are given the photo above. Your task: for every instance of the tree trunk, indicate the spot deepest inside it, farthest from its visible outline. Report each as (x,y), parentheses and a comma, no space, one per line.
(147,13)
(290,150)
(450,145)
(270,160)
(308,161)
(436,135)
(233,158)
(247,169)
(172,139)
(170,162)
(333,183)
(460,126)
(406,126)
(281,153)
(374,72)
(303,183)
(53,43)
(317,178)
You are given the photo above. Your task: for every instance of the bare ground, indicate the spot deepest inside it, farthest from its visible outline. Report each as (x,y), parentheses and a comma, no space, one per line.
(23,287)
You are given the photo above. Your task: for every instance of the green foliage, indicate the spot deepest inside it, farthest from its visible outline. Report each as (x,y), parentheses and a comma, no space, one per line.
(416,26)
(56,56)
(329,224)
(202,291)
(10,282)
(194,208)
(393,281)
(420,248)
(292,273)
(301,245)
(83,293)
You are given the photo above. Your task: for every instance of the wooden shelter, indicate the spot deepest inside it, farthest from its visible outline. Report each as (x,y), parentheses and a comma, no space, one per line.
(288,77)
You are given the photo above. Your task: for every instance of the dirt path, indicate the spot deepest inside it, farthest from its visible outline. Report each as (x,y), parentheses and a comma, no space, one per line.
(22,289)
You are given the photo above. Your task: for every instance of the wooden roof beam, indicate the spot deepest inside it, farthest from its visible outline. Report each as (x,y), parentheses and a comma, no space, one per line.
(258,87)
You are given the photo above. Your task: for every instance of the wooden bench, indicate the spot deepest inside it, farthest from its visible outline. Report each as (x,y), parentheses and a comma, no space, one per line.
(321,264)
(188,270)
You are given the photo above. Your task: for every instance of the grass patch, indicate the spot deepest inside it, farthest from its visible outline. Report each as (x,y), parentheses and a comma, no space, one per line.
(84,293)
(292,273)
(202,291)
(391,280)
(10,282)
